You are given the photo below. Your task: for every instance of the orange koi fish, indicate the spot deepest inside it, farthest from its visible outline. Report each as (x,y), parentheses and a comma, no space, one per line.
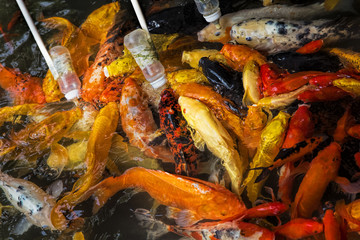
(323,170)
(238,55)
(197,199)
(341,127)
(300,228)
(95,82)
(354,131)
(138,122)
(96,156)
(331,226)
(23,88)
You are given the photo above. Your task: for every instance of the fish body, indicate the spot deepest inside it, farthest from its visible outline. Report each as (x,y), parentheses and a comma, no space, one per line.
(29,199)
(271,140)
(331,226)
(179,137)
(217,139)
(229,230)
(94,81)
(224,109)
(300,228)
(323,169)
(195,198)
(138,122)
(212,34)
(98,147)
(278,35)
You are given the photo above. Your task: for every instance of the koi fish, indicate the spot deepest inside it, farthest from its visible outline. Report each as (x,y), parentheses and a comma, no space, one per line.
(254,123)
(251,83)
(301,127)
(349,58)
(271,140)
(300,228)
(283,100)
(299,12)
(94,83)
(23,88)
(238,55)
(196,199)
(179,137)
(331,226)
(273,36)
(349,85)
(29,199)
(36,137)
(217,139)
(98,147)
(207,231)
(138,122)
(224,109)
(193,57)
(323,169)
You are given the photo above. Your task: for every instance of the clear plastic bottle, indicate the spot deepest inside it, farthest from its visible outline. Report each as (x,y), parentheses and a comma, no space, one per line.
(209,9)
(69,82)
(140,45)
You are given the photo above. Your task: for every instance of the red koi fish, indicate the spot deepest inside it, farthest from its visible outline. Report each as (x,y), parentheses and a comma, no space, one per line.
(300,228)
(323,170)
(331,226)
(23,88)
(301,127)
(138,122)
(330,93)
(311,47)
(181,144)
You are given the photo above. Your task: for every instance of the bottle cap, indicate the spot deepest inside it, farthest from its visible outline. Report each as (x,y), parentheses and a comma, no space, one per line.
(72,94)
(159,82)
(214,16)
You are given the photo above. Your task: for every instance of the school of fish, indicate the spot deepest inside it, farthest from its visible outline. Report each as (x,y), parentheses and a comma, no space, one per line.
(249,140)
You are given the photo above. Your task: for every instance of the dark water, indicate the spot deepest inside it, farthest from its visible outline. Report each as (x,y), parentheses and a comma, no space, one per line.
(116,220)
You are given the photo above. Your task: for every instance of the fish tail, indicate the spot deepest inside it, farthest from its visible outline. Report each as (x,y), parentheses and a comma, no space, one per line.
(109,187)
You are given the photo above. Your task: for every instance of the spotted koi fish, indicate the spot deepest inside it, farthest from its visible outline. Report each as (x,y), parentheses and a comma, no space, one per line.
(29,199)
(271,35)
(181,144)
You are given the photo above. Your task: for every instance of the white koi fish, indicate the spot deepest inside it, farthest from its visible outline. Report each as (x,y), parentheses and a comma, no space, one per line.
(29,199)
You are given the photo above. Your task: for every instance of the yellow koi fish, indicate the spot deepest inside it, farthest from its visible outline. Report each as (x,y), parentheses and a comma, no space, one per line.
(271,140)
(217,139)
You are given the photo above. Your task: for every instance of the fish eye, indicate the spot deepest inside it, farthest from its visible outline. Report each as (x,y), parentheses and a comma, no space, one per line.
(217,34)
(223,213)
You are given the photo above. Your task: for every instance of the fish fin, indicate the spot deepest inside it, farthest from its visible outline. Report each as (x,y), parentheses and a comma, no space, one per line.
(22,226)
(245,100)
(186,218)
(172,212)
(346,186)
(198,140)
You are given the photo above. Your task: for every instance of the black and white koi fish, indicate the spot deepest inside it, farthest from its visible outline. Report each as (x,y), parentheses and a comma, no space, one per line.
(29,199)
(278,35)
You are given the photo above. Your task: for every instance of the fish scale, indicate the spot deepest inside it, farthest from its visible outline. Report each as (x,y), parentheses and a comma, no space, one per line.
(278,35)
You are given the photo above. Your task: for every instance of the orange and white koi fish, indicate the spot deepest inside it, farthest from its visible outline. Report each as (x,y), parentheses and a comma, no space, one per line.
(138,122)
